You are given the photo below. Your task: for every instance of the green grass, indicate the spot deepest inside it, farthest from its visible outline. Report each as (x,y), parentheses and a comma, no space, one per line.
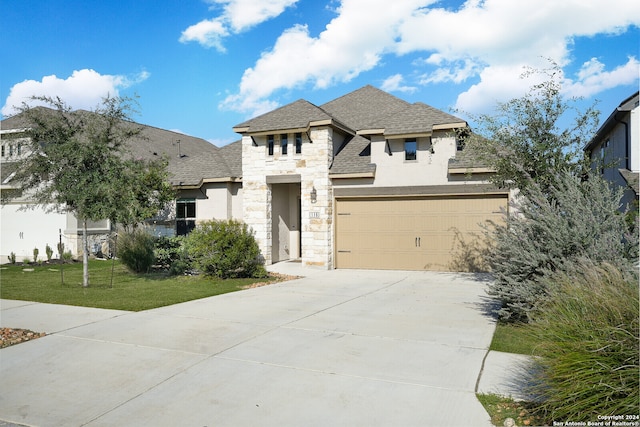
(513,338)
(132,292)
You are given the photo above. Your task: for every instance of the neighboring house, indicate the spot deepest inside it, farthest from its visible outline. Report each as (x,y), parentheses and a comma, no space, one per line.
(207,179)
(364,181)
(616,148)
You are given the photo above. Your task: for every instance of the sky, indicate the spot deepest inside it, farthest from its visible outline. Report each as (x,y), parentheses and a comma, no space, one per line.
(200,67)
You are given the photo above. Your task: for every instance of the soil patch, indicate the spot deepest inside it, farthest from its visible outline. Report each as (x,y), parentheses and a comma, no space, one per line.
(11,336)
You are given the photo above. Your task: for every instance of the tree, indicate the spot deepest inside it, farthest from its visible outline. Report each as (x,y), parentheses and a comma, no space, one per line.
(78,162)
(565,213)
(577,221)
(525,141)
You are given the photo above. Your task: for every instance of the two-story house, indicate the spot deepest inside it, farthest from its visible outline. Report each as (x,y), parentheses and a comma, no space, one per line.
(364,181)
(615,148)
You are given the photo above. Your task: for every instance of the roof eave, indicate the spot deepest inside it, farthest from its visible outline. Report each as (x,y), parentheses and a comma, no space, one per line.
(470,170)
(352,175)
(454,125)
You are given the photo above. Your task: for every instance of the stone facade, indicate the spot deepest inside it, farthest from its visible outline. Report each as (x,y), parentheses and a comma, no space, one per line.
(310,169)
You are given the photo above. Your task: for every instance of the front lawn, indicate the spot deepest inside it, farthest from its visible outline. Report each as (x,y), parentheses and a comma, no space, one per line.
(131,292)
(513,338)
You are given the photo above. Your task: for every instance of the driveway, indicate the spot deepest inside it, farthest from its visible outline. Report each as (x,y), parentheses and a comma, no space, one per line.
(336,348)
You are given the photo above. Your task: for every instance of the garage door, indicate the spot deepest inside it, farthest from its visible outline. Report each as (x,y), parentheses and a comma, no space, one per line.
(414,233)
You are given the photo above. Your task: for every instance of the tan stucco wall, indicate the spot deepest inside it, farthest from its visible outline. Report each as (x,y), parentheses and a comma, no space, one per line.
(429,168)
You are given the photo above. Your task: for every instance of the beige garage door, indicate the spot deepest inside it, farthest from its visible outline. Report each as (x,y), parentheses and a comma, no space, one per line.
(414,233)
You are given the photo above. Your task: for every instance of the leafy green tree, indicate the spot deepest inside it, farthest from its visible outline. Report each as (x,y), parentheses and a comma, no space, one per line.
(77,161)
(526,140)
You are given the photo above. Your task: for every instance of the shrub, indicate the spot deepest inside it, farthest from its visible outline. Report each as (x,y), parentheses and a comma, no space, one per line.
(171,254)
(135,250)
(49,252)
(12,257)
(66,256)
(225,249)
(588,345)
(60,247)
(551,232)
(35,255)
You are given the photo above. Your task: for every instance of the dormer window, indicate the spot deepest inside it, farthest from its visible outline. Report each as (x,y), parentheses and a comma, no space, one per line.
(410,149)
(270,145)
(284,142)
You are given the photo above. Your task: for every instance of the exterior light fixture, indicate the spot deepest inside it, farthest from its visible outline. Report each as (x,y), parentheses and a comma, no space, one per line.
(314,195)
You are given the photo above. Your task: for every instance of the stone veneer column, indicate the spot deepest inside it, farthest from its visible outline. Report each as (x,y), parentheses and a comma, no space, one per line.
(256,196)
(317,218)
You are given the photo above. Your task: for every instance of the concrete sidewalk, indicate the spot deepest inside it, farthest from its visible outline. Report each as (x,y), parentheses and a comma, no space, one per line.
(341,347)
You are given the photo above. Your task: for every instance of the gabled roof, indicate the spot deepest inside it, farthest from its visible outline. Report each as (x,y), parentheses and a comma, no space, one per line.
(364,108)
(232,154)
(354,158)
(191,160)
(625,106)
(418,118)
(298,115)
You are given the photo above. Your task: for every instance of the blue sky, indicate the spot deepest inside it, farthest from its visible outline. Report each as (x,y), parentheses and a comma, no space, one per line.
(202,66)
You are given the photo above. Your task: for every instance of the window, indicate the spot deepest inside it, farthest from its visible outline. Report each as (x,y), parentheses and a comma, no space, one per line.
(284,142)
(603,149)
(185,216)
(410,149)
(298,143)
(270,145)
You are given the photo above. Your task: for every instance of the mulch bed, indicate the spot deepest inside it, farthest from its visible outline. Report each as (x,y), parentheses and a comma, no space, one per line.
(273,278)
(10,336)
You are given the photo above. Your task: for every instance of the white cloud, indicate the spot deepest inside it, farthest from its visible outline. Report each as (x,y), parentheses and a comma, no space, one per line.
(456,72)
(394,84)
(497,84)
(208,33)
(84,89)
(237,16)
(592,77)
(488,40)
(351,43)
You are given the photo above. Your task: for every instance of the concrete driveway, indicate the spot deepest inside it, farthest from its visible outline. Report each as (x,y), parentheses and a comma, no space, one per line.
(336,348)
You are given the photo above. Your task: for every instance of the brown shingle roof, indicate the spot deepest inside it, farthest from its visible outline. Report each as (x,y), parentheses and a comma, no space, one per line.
(417,118)
(296,115)
(354,157)
(191,159)
(232,154)
(364,108)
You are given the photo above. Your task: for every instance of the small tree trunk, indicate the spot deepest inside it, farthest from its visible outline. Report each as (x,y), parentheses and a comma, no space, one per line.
(85,255)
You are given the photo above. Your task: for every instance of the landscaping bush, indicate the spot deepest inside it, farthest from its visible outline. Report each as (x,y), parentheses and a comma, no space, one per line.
(49,252)
(589,349)
(225,249)
(550,233)
(170,254)
(135,250)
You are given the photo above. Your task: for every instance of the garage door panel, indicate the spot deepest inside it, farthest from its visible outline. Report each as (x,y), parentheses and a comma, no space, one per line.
(414,233)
